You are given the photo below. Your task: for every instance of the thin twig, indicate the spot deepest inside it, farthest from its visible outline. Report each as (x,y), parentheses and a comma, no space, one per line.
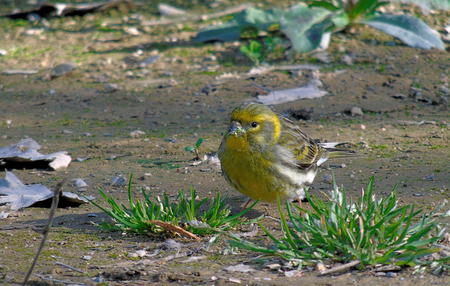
(69,267)
(45,231)
(174,228)
(59,281)
(14,227)
(175,256)
(233,10)
(340,268)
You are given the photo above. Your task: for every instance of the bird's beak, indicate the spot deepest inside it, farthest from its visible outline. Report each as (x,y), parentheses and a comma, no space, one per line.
(235,129)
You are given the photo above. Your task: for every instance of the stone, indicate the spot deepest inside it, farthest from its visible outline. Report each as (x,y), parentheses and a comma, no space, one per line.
(356,111)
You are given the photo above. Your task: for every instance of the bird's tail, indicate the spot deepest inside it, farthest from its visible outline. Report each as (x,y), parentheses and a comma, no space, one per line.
(339,149)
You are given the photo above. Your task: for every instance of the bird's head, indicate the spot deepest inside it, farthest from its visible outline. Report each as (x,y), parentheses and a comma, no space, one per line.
(253,126)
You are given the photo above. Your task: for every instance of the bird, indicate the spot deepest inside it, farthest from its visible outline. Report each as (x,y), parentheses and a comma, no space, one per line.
(267,157)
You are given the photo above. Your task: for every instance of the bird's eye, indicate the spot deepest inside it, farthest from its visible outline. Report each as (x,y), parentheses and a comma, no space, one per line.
(254,124)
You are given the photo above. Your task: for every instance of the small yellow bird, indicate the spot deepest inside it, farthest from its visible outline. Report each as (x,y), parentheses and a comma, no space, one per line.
(264,155)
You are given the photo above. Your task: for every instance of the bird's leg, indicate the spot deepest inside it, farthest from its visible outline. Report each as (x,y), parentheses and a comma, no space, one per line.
(300,203)
(247,203)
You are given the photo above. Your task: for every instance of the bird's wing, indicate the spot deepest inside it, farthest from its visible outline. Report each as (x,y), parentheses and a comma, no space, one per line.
(305,152)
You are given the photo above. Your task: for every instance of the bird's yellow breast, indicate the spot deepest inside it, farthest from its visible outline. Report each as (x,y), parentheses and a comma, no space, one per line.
(237,144)
(250,173)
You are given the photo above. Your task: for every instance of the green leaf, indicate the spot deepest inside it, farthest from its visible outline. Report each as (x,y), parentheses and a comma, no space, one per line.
(324,4)
(362,7)
(198,143)
(189,148)
(340,20)
(253,51)
(412,31)
(231,31)
(306,27)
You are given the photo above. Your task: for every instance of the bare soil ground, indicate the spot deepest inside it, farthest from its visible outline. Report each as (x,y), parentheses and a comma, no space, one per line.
(91,111)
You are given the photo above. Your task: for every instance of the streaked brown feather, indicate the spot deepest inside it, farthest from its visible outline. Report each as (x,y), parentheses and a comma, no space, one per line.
(305,150)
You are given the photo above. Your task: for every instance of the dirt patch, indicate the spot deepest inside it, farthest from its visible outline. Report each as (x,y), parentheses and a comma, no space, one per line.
(91,111)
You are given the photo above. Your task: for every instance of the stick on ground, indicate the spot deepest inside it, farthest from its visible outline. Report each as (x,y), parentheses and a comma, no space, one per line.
(45,231)
(174,228)
(340,268)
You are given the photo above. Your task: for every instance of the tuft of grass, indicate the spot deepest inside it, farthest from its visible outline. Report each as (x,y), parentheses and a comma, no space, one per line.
(372,231)
(201,217)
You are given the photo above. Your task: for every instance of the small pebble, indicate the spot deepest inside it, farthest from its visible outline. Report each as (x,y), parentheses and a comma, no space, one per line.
(322,57)
(444,90)
(98,279)
(171,244)
(111,87)
(168,10)
(356,111)
(149,61)
(234,280)
(293,273)
(391,274)
(137,133)
(346,59)
(399,96)
(79,183)
(273,266)
(61,70)
(132,31)
(327,178)
(239,268)
(430,177)
(3,215)
(34,31)
(118,181)
(138,253)
(320,267)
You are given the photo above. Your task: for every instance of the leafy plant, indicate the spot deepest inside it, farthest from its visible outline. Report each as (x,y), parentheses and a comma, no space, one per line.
(352,9)
(200,217)
(309,27)
(371,231)
(254,51)
(194,149)
(261,50)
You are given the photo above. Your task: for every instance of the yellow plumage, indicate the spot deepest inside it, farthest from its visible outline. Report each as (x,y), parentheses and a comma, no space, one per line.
(264,155)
